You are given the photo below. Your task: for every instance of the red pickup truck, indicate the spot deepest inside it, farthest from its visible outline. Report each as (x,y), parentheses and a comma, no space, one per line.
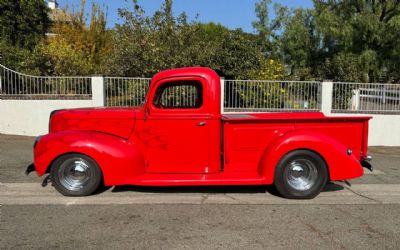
(184,140)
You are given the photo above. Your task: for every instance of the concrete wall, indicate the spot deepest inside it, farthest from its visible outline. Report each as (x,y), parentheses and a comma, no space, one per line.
(30,117)
(384,130)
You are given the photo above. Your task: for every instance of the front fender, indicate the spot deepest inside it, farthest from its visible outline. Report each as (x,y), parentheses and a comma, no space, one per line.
(340,165)
(120,160)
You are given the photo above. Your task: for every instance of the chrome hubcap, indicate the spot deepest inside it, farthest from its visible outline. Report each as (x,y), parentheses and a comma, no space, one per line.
(74,174)
(301,174)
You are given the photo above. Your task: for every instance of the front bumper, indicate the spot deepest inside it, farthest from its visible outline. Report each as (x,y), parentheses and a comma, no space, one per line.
(29,169)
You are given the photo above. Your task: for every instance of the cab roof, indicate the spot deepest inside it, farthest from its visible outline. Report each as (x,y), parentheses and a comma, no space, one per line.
(203,72)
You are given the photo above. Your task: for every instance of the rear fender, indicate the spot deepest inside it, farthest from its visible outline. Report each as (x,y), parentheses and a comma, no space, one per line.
(340,165)
(120,160)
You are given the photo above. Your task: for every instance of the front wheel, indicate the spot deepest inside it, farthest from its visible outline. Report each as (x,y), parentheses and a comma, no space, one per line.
(75,175)
(301,174)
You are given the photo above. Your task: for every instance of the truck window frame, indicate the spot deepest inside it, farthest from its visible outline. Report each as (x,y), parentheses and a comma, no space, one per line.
(156,103)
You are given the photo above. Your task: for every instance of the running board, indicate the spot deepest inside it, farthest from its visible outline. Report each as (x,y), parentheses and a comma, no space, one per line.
(221,179)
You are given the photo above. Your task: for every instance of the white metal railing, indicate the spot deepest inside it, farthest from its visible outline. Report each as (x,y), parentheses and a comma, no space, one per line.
(15,85)
(126,91)
(271,96)
(365,98)
(238,95)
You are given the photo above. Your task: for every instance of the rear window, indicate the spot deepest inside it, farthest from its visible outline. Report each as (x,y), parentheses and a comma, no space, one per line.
(179,95)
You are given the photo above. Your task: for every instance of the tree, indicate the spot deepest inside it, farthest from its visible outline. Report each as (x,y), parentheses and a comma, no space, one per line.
(298,44)
(76,48)
(23,25)
(267,28)
(23,22)
(13,57)
(145,45)
(367,30)
(342,40)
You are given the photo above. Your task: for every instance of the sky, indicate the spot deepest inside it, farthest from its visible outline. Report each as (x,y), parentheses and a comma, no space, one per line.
(231,13)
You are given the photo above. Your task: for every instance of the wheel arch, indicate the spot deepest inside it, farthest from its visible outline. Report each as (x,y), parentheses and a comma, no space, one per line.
(339,164)
(119,160)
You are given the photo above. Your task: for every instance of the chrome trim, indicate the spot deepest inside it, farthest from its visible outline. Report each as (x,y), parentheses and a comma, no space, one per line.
(301,174)
(74,174)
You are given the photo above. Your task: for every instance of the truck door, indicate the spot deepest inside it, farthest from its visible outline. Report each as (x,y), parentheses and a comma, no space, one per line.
(178,127)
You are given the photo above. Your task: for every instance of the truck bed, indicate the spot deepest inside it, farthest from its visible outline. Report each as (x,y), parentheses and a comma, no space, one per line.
(246,135)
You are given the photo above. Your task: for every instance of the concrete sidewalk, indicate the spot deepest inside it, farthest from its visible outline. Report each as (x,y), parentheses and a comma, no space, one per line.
(358,194)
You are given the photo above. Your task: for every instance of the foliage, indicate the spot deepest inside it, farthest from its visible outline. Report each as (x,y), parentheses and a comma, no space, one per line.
(11,55)
(342,40)
(237,56)
(147,45)
(75,48)
(23,22)
(270,69)
(267,29)
(341,67)
(299,44)
(23,25)
(368,29)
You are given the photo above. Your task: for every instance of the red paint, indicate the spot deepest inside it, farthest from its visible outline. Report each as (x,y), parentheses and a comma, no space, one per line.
(166,147)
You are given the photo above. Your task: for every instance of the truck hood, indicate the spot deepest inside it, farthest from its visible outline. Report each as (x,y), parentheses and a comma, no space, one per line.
(116,121)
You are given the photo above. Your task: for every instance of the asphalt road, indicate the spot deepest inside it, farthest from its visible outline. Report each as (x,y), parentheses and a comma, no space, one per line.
(201,227)
(364,215)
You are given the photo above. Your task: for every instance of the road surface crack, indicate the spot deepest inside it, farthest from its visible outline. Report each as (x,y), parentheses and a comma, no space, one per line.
(235,199)
(322,235)
(359,194)
(204,197)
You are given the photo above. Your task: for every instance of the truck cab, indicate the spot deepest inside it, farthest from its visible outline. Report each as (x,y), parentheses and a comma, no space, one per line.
(180,137)
(181,123)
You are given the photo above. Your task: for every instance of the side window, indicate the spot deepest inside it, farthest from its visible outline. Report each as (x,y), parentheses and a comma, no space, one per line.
(179,94)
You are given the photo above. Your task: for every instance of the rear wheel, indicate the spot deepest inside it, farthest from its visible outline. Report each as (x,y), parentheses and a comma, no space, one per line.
(75,175)
(301,174)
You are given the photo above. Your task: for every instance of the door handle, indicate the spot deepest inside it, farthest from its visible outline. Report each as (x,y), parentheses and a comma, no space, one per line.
(201,124)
